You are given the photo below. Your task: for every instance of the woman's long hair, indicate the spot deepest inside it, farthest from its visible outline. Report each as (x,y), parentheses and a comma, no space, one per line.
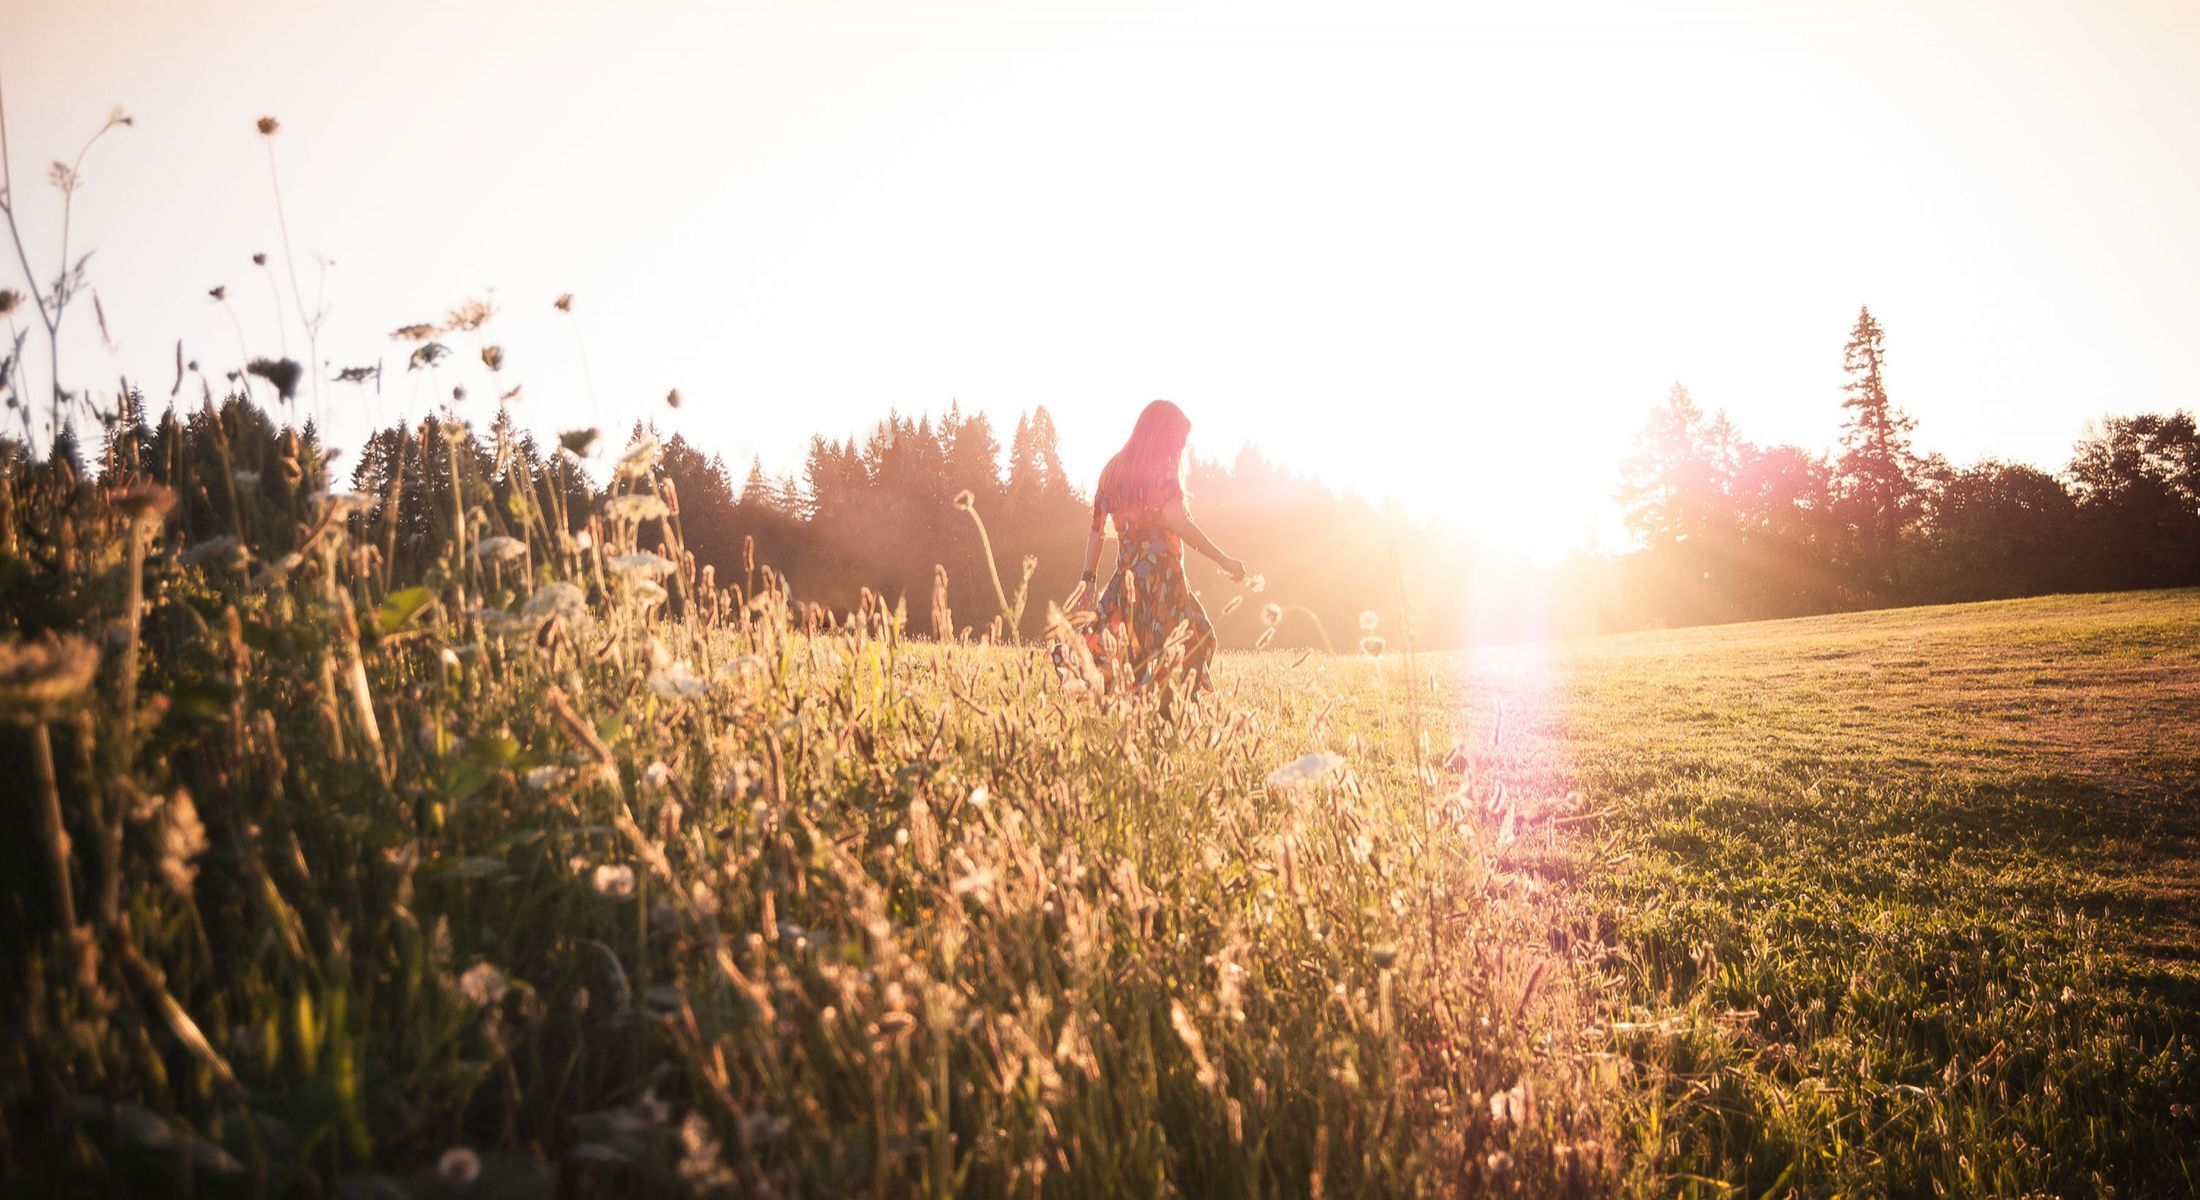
(1148,471)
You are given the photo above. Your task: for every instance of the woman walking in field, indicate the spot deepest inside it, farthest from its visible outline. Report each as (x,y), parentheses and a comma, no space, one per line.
(1148,628)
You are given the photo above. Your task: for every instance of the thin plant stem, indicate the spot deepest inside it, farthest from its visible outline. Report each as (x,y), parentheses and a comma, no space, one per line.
(50,827)
(290,264)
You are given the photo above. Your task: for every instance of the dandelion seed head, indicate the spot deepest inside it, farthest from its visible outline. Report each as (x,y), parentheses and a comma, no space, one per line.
(1368,621)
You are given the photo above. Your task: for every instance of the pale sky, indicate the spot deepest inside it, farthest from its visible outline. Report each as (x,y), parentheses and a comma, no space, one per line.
(1447,253)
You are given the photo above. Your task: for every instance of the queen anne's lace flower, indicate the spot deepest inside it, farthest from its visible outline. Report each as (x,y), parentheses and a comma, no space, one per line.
(636,508)
(560,599)
(499,548)
(642,564)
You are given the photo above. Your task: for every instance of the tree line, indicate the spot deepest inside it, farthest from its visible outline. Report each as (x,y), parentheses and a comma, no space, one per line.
(1727,529)
(1731,530)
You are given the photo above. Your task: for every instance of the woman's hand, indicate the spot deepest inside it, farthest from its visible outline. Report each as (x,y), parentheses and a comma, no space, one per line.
(1234,568)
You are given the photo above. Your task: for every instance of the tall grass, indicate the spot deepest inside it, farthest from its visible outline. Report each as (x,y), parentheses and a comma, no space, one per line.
(562,867)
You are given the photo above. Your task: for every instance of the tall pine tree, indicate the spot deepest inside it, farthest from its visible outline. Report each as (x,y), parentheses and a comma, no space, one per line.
(1877,473)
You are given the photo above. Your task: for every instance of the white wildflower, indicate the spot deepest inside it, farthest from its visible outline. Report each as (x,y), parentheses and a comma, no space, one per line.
(639,457)
(225,550)
(642,564)
(677,681)
(458,1167)
(1368,621)
(244,479)
(338,505)
(498,548)
(647,593)
(614,881)
(482,984)
(636,508)
(542,779)
(657,777)
(1307,768)
(564,600)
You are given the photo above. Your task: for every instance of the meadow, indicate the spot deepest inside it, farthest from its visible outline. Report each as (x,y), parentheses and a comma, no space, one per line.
(571,868)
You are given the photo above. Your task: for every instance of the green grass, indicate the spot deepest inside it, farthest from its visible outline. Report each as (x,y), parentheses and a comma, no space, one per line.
(1890,903)
(384,874)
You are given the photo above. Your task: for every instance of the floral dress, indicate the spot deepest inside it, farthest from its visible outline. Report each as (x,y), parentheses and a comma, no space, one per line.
(1149,627)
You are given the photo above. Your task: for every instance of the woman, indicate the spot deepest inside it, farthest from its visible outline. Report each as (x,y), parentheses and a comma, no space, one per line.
(1147,613)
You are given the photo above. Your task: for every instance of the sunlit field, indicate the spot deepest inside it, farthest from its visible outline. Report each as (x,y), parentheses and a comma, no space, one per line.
(564,870)
(1891,903)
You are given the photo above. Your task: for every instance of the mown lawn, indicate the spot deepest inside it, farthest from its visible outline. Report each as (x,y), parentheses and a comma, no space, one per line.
(1888,903)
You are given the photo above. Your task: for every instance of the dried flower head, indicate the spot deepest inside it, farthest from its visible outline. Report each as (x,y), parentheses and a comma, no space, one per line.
(37,677)
(268,126)
(259,259)
(284,373)
(10,298)
(1271,614)
(219,292)
(492,357)
(413,333)
(1373,646)
(672,398)
(964,501)
(578,442)
(428,355)
(564,302)
(469,316)
(143,502)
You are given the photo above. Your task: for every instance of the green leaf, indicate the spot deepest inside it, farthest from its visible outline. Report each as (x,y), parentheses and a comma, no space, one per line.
(398,608)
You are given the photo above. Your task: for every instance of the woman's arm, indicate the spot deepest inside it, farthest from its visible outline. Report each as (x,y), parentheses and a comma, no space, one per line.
(1085,579)
(1181,522)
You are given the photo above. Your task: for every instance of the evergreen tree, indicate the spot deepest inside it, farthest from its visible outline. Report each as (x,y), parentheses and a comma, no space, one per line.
(1877,472)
